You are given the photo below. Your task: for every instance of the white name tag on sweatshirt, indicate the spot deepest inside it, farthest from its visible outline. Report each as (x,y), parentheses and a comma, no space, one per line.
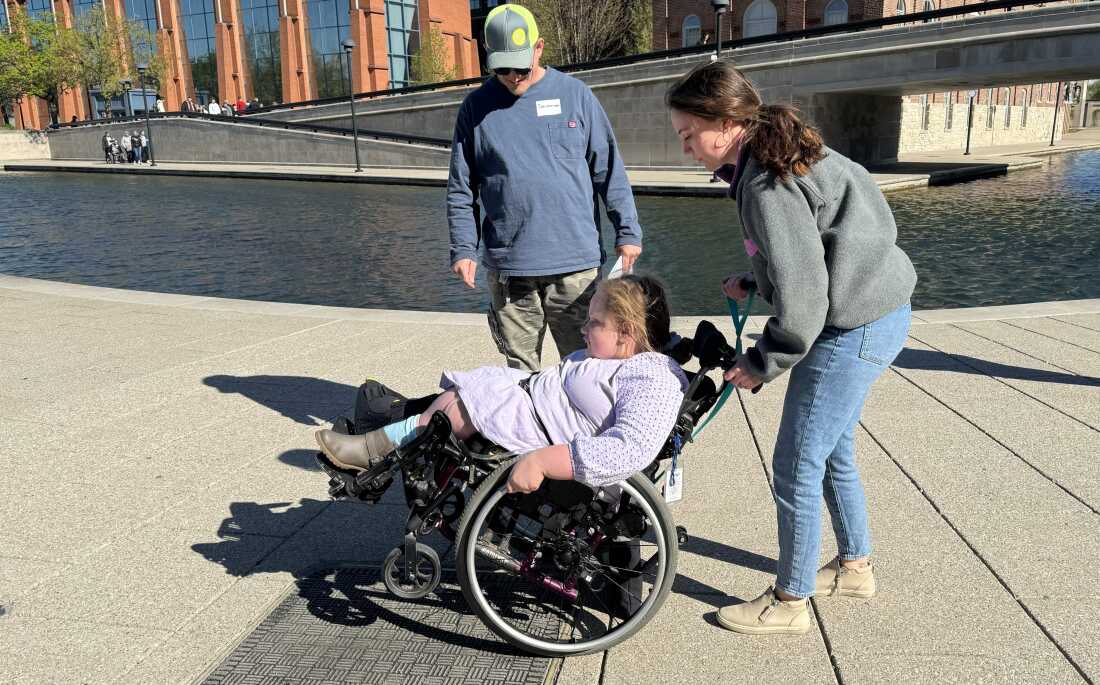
(546,108)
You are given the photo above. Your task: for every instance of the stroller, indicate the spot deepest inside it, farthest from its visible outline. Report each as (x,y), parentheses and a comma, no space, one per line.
(565,570)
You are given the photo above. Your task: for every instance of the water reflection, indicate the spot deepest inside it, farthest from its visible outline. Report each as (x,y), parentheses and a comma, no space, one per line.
(1029,236)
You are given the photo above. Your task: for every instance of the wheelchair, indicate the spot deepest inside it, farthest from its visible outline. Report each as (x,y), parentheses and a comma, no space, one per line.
(565,570)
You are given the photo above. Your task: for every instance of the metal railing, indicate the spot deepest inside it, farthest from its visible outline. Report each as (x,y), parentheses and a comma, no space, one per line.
(267,123)
(703,49)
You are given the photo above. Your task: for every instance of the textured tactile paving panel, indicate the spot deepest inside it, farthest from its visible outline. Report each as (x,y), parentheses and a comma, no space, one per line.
(344,627)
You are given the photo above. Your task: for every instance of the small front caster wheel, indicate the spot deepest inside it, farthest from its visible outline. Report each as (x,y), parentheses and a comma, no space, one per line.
(681,535)
(426,572)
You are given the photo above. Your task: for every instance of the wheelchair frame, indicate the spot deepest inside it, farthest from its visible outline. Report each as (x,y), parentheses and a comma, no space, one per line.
(439,471)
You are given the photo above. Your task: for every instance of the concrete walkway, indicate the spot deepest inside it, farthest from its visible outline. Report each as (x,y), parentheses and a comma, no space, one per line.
(159,497)
(911,171)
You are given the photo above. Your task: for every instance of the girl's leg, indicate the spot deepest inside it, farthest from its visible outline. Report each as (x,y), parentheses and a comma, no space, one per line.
(450,404)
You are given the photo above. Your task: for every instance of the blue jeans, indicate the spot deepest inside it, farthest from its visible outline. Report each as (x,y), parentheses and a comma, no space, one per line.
(814,451)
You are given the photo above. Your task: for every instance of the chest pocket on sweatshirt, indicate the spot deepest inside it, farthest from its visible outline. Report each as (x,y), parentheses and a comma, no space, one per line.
(567,142)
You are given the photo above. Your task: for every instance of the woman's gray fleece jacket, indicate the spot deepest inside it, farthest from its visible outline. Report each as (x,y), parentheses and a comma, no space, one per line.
(825,254)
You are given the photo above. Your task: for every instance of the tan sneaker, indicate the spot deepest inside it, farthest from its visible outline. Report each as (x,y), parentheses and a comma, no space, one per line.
(767,615)
(834,579)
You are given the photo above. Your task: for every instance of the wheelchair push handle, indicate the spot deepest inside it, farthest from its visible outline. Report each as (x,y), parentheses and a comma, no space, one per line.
(712,350)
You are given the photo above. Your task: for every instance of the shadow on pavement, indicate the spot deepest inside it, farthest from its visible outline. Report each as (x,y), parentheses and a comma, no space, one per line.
(929,360)
(335,592)
(301,459)
(299,398)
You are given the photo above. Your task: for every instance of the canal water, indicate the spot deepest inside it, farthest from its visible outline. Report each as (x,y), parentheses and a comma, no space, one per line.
(1026,237)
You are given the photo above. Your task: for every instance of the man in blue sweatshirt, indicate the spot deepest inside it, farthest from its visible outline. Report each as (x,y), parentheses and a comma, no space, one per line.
(532,151)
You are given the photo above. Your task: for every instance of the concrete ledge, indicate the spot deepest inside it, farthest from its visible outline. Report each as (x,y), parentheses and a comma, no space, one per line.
(92,292)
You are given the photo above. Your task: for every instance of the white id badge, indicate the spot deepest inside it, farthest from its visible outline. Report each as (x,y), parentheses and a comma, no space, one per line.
(548,108)
(674,484)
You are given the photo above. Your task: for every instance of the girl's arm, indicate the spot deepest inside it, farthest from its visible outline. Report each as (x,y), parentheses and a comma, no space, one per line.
(551,462)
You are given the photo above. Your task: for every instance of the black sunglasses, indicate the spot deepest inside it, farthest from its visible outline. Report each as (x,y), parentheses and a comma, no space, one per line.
(506,71)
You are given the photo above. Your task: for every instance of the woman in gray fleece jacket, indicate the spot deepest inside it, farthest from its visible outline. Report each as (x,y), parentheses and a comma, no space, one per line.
(821,239)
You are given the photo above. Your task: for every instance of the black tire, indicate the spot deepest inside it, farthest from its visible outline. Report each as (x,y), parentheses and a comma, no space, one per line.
(582,618)
(428,571)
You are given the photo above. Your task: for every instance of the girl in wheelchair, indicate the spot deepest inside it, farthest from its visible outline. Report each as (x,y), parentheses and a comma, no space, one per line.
(599,416)
(545,482)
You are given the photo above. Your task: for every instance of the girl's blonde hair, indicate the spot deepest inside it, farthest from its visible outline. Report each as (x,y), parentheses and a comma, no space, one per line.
(639,306)
(779,140)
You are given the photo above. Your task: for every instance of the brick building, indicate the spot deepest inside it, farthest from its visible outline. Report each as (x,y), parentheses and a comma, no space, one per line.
(1002,115)
(272,50)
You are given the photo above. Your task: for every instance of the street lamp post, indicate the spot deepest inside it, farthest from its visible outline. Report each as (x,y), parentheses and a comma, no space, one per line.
(969,120)
(1057,103)
(126,109)
(348,46)
(720,7)
(142,68)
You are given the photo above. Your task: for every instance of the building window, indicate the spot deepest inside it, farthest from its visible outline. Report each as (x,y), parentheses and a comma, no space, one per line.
(925,111)
(82,6)
(900,9)
(403,35)
(143,12)
(40,8)
(1008,107)
(929,5)
(836,12)
(692,33)
(475,4)
(3,15)
(760,19)
(990,108)
(260,20)
(1027,104)
(197,17)
(329,26)
(948,111)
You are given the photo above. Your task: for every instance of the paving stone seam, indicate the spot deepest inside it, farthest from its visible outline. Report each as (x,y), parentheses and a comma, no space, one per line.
(1053,337)
(1074,323)
(996,440)
(960,326)
(951,524)
(1084,423)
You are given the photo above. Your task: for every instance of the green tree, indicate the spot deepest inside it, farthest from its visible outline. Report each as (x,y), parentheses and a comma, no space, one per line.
(17,59)
(1094,91)
(578,32)
(35,59)
(431,62)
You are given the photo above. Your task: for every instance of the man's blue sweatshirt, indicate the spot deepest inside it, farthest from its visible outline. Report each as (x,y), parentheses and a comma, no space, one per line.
(535,165)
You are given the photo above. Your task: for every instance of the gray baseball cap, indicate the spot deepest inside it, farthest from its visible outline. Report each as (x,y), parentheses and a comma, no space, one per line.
(510,37)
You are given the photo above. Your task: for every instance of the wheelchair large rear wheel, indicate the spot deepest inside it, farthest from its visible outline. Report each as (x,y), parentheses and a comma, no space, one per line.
(566,570)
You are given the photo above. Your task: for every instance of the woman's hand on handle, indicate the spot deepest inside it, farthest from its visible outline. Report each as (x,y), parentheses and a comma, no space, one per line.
(736,286)
(741,377)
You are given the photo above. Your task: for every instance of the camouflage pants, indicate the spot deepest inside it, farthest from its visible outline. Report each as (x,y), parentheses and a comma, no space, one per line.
(523,307)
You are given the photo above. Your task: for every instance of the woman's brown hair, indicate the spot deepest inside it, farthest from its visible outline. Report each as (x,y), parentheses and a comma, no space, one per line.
(781,142)
(639,305)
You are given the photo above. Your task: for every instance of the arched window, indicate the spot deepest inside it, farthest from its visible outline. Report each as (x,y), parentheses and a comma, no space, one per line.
(929,5)
(693,31)
(836,12)
(900,9)
(760,19)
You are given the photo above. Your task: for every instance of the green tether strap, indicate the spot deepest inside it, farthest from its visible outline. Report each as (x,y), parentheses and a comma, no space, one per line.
(739,320)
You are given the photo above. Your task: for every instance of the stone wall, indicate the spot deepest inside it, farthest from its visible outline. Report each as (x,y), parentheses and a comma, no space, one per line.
(935,134)
(24,145)
(192,140)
